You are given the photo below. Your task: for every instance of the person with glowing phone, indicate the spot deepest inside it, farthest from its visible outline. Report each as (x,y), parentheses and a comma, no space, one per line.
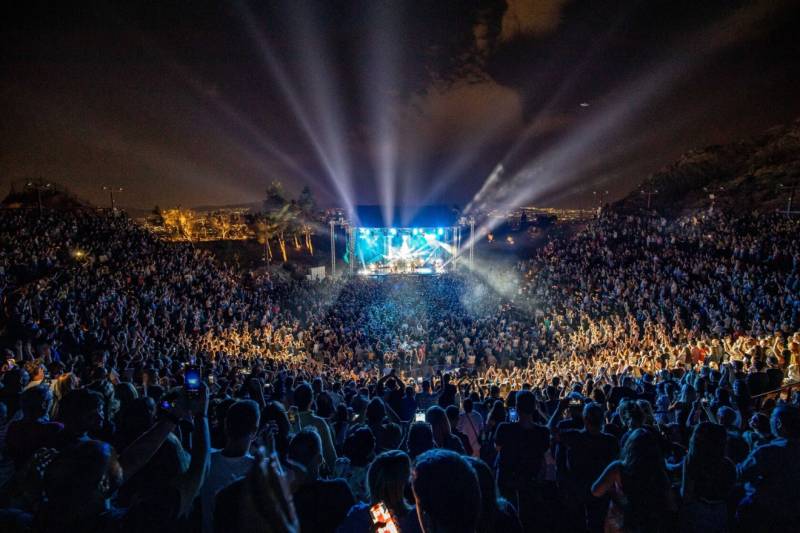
(387,510)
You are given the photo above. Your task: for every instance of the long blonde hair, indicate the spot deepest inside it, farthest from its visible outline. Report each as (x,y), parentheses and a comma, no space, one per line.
(63,385)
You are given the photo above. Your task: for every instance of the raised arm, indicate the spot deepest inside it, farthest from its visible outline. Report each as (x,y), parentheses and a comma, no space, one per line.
(188,484)
(605,483)
(140,451)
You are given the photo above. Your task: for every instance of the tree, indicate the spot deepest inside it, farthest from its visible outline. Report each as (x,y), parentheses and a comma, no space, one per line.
(180,222)
(275,198)
(158,217)
(307,216)
(275,225)
(306,201)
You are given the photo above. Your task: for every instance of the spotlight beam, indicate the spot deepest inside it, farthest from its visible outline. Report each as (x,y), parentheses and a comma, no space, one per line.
(381,68)
(290,95)
(556,167)
(321,84)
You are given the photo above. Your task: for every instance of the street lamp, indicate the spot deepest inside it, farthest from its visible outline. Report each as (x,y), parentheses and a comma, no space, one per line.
(39,186)
(333,248)
(712,196)
(599,196)
(790,198)
(649,193)
(111,190)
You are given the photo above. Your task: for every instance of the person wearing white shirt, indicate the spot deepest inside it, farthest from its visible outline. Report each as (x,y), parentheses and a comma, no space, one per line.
(232,462)
(471,424)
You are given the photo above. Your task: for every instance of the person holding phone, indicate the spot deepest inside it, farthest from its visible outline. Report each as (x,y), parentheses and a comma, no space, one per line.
(83,478)
(387,480)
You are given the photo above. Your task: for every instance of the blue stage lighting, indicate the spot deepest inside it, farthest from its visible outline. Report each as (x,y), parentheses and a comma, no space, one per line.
(415,231)
(439,231)
(392,231)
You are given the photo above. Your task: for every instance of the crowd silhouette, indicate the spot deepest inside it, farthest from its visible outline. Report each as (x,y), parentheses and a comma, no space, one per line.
(635,375)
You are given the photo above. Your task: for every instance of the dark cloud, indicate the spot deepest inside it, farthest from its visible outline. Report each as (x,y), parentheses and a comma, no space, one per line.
(176,102)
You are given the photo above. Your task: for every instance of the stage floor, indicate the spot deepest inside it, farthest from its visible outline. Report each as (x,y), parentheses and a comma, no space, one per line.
(424,271)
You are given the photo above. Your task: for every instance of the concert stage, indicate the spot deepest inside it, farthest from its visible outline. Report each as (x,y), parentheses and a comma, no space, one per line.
(424,240)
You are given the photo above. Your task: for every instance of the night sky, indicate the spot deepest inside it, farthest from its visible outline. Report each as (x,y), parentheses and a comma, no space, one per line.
(371,101)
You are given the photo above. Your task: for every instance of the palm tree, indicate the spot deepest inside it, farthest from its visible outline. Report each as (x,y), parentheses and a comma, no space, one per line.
(274,225)
(274,222)
(307,215)
(283,218)
(264,231)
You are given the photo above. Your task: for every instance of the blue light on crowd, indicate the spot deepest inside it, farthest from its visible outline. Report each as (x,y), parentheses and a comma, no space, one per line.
(392,231)
(439,231)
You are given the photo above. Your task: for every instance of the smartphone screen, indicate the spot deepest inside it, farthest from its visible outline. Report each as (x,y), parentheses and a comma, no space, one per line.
(382,517)
(512,415)
(419,416)
(192,378)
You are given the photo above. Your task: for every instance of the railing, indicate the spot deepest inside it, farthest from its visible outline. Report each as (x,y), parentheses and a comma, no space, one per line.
(778,394)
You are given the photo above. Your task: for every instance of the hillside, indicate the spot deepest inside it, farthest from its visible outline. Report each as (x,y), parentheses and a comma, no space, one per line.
(742,175)
(51,195)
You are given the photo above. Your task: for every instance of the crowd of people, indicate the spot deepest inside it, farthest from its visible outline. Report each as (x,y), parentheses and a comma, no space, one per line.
(621,380)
